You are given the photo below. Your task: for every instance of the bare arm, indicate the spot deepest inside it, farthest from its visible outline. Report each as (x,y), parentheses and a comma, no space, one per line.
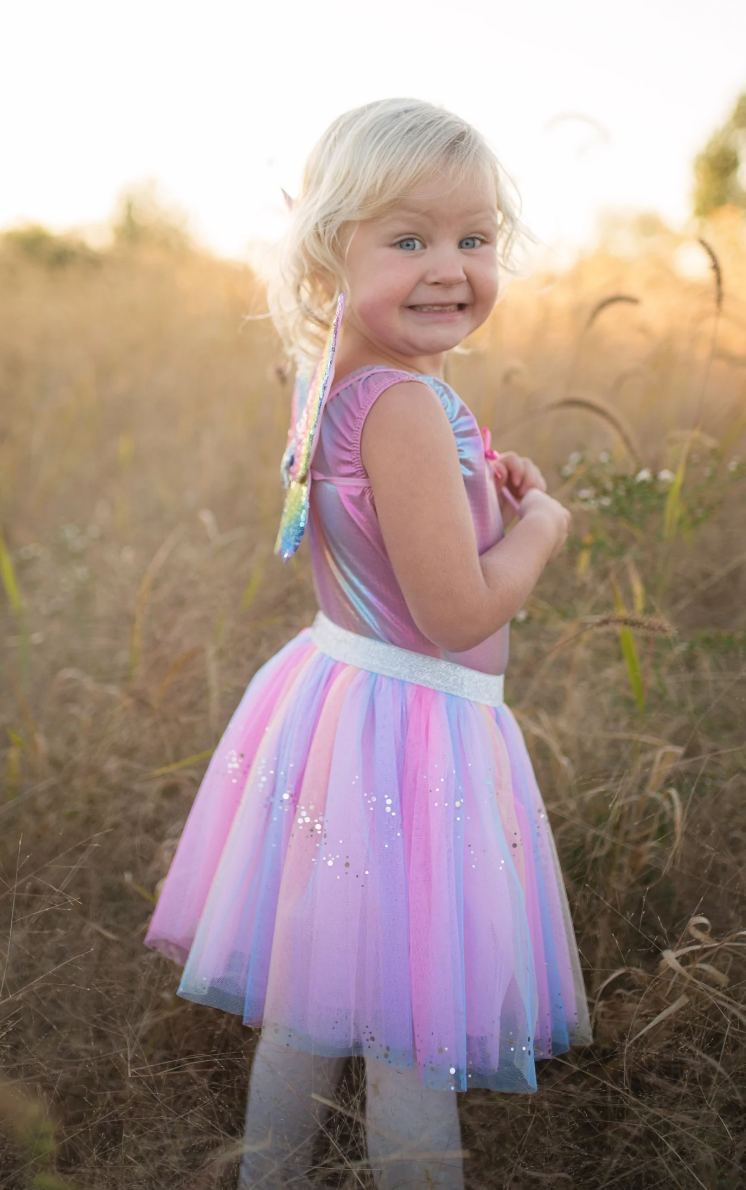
(456,597)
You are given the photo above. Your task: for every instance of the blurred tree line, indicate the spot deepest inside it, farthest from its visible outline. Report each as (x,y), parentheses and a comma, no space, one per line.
(141,217)
(720,169)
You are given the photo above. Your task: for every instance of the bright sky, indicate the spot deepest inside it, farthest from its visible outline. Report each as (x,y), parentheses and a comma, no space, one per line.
(219,101)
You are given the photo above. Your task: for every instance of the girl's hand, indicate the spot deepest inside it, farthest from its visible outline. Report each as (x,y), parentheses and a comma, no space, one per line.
(536,503)
(514,478)
(518,474)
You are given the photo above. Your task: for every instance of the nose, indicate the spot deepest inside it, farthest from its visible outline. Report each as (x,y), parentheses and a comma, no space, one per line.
(445,267)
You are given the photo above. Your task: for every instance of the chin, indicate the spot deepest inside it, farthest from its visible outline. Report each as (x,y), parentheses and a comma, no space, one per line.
(438,346)
(435,340)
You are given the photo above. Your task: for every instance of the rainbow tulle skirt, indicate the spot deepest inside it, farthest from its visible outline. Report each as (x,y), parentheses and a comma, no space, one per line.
(368,869)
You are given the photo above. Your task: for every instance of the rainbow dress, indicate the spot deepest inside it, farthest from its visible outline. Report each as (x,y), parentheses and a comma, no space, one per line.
(368,867)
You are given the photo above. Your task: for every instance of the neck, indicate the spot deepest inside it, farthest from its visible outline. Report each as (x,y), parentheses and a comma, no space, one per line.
(357,351)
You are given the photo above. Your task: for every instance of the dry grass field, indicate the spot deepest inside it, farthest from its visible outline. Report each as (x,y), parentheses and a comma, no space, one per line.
(142,418)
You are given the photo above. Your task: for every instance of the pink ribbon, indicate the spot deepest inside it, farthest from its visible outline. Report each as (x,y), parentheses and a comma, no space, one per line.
(492,456)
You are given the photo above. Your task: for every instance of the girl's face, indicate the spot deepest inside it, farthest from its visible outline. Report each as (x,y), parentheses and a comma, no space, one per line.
(423,275)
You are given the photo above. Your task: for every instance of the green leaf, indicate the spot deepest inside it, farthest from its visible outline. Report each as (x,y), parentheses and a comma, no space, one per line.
(634,672)
(8,575)
(253,586)
(673,501)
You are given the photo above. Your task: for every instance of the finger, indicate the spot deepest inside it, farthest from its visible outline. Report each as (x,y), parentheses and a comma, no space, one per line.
(500,474)
(531,477)
(514,467)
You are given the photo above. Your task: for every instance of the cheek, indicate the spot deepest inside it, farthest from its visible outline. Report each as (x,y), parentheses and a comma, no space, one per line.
(485,284)
(378,301)
(380,287)
(373,311)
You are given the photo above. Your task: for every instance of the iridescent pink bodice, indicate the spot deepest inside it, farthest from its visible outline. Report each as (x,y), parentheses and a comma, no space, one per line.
(355,583)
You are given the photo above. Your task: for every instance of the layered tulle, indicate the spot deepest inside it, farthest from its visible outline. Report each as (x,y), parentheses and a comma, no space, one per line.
(368,869)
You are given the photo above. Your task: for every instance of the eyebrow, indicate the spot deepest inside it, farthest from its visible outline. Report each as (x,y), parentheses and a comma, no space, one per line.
(403,212)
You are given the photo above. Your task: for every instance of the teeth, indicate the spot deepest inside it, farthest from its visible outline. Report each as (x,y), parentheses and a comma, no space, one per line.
(454,306)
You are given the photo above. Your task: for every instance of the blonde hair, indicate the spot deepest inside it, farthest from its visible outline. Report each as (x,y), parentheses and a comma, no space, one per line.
(367,160)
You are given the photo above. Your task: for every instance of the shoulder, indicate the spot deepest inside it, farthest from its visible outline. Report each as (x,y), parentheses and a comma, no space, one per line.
(408,420)
(362,387)
(391,409)
(392,395)
(387,388)
(404,404)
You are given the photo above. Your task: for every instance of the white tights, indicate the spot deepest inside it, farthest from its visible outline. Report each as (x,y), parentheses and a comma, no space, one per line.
(413,1133)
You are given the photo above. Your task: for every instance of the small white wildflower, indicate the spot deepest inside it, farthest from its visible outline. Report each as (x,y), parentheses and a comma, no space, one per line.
(574,458)
(734,463)
(566,470)
(644,476)
(520,616)
(585,493)
(604,456)
(605,501)
(666,476)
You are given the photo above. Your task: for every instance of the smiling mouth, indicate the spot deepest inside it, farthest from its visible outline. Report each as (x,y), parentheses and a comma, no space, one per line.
(442,308)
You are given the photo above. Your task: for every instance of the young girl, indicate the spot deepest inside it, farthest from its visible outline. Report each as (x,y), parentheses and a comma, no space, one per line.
(368,867)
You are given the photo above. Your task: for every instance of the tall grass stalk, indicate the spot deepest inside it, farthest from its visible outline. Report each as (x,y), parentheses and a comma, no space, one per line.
(606,303)
(718,279)
(143,596)
(15,603)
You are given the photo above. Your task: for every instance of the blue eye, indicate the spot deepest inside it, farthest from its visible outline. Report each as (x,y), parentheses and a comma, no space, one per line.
(409,243)
(471,242)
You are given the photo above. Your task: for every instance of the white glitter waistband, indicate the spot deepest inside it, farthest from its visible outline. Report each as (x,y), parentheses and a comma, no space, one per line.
(382,658)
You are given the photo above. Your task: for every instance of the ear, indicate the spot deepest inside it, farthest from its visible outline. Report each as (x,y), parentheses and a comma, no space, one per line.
(288,199)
